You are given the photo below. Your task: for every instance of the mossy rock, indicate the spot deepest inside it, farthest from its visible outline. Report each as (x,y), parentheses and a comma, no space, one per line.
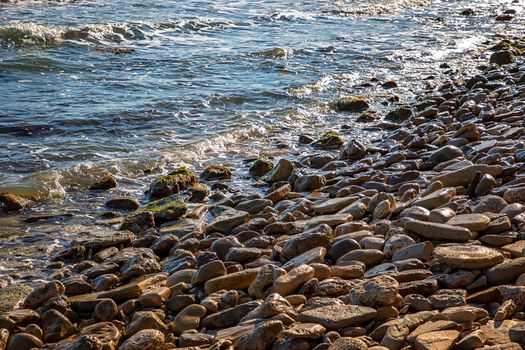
(352,104)
(216,172)
(503,44)
(330,140)
(155,213)
(516,46)
(177,181)
(366,117)
(277,52)
(261,167)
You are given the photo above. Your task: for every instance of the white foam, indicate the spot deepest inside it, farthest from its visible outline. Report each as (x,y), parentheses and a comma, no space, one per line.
(29,33)
(378,7)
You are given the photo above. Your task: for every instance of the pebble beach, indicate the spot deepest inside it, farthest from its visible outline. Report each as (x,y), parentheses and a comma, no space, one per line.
(411,239)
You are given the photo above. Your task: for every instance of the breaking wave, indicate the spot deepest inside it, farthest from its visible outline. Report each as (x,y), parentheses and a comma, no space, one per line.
(377,7)
(29,33)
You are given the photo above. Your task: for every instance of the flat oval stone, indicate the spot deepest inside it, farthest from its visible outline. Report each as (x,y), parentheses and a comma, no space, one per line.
(333,205)
(468,256)
(436,199)
(474,222)
(433,230)
(334,317)
(106,332)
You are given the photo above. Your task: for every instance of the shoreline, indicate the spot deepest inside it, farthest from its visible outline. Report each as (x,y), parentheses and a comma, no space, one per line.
(414,241)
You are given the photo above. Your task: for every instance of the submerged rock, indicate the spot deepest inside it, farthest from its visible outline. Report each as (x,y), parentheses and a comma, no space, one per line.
(216,172)
(329,140)
(352,104)
(105,183)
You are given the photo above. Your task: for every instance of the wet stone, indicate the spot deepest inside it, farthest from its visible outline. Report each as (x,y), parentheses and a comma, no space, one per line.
(56,326)
(24,341)
(105,183)
(123,203)
(44,293)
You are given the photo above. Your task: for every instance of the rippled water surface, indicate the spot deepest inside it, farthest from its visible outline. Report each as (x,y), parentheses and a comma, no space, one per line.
(203,81)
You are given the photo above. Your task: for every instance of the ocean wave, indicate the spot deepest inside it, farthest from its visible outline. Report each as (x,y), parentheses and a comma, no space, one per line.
(377,7)
(55,184)
(29,1)
(290,15)
(29,33)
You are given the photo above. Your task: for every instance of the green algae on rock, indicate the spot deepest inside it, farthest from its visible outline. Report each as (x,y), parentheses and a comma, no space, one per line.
(352,104)
(366,117)
(177,181)
(216,172)
(330,140)
(155,213)
(277,52)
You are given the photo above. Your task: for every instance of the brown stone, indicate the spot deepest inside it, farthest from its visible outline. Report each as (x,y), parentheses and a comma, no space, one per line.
(56,326)
(38,296)
(106,332)
(440,340)
(346,343)
(335,317)
(147,339)
(290,282)
(431,326)
(471,257)
(189,318)
(434,230)
(305,331)
(505,272)
(473,222)
(145,320)
(262,337)
(236,280)
(24,341)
